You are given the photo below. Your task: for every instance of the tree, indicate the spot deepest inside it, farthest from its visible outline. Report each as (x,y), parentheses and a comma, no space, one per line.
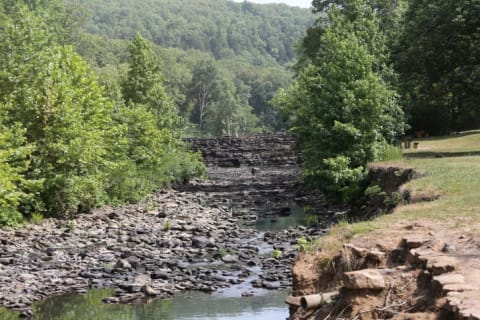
(49,91)
(143,84)
(203,91)
(15,189)
(64,146)
(340,107)
(438,58)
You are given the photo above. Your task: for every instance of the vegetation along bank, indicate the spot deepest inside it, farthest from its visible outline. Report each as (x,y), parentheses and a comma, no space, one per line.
(95,98)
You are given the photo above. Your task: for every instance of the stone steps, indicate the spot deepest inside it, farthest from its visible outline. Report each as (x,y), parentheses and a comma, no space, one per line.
(272,149)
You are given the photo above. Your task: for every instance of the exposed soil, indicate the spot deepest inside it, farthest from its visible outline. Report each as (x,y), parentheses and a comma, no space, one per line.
(430,271)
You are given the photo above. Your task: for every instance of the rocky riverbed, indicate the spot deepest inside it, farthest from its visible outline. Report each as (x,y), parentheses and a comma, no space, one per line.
(200,236)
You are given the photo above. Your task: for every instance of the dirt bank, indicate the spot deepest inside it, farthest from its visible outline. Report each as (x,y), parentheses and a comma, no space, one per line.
(410,270)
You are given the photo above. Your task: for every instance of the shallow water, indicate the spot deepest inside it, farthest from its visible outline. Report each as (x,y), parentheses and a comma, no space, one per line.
(297,217)
(266,305)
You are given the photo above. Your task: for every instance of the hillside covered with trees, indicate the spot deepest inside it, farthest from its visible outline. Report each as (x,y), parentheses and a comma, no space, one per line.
(95,95)
(257,33)
(222,61)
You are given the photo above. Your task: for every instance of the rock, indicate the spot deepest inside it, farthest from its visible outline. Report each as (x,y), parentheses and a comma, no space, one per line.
(441,264)
(247,294)
(202,242)
(447,248)
(415,316)
(271,285)
(149,291)
(413,242)
(229,258)
(363,279)
(131,287)
(123,264)
(439,282)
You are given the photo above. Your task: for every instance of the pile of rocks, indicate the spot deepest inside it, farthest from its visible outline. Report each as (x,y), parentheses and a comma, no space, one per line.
(176,245)
(188,239)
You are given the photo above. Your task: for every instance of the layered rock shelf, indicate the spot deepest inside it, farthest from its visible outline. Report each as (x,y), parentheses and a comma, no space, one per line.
(429,275)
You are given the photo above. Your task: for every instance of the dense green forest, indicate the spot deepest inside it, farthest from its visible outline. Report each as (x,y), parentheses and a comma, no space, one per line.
(370,71)
(259,34)
(95,95)
(222,61)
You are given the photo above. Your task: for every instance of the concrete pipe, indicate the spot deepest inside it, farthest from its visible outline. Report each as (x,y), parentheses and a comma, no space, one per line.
(316,300)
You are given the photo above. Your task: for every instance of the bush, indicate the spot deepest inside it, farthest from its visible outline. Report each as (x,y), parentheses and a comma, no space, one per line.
(14,188)
(336,178)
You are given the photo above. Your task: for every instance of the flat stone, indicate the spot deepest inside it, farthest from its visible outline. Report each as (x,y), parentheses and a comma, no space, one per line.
(413,242)
(123,264)
(363,279)
(449,278)
(440,282)
(415,316)
(458,287)
(229,258)
(465,304)
(441,264)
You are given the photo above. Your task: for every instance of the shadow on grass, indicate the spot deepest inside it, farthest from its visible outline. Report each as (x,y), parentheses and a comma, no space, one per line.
(431,154)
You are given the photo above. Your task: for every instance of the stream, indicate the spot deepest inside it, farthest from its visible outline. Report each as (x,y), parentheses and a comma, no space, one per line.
(187,306)
(219,248)
(221,305)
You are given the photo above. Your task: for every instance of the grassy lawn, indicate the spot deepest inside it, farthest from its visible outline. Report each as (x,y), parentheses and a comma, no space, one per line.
(450,171)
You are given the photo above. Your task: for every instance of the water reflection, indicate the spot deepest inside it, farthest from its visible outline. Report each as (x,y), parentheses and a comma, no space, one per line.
(191,306)
(298,216)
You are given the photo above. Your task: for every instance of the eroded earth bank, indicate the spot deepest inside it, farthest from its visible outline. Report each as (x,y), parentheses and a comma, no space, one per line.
(409,270)
(200,236)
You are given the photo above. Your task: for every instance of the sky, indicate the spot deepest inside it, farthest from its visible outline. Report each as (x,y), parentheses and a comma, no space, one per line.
(295,3)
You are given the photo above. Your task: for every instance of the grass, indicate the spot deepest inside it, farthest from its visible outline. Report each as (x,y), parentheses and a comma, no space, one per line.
(464,142)
(455,179)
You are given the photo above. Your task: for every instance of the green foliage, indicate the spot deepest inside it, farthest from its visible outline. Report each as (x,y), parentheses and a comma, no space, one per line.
(143,84)
(66,148)
(167,225)
(388,152)
(249,61)
(14,187)
(337,178)
(36,218)
(303,244)
(258,33)
(340,106)
(276,254)
(53,96)
(438,58)
(214,103)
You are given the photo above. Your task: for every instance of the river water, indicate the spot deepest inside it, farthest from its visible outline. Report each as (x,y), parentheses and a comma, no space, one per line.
(224,305)
(189,306)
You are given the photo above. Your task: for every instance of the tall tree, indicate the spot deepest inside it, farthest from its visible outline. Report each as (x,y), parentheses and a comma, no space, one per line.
(438,58)
(340,106)
(143,84)
(50,92)
(204,90)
